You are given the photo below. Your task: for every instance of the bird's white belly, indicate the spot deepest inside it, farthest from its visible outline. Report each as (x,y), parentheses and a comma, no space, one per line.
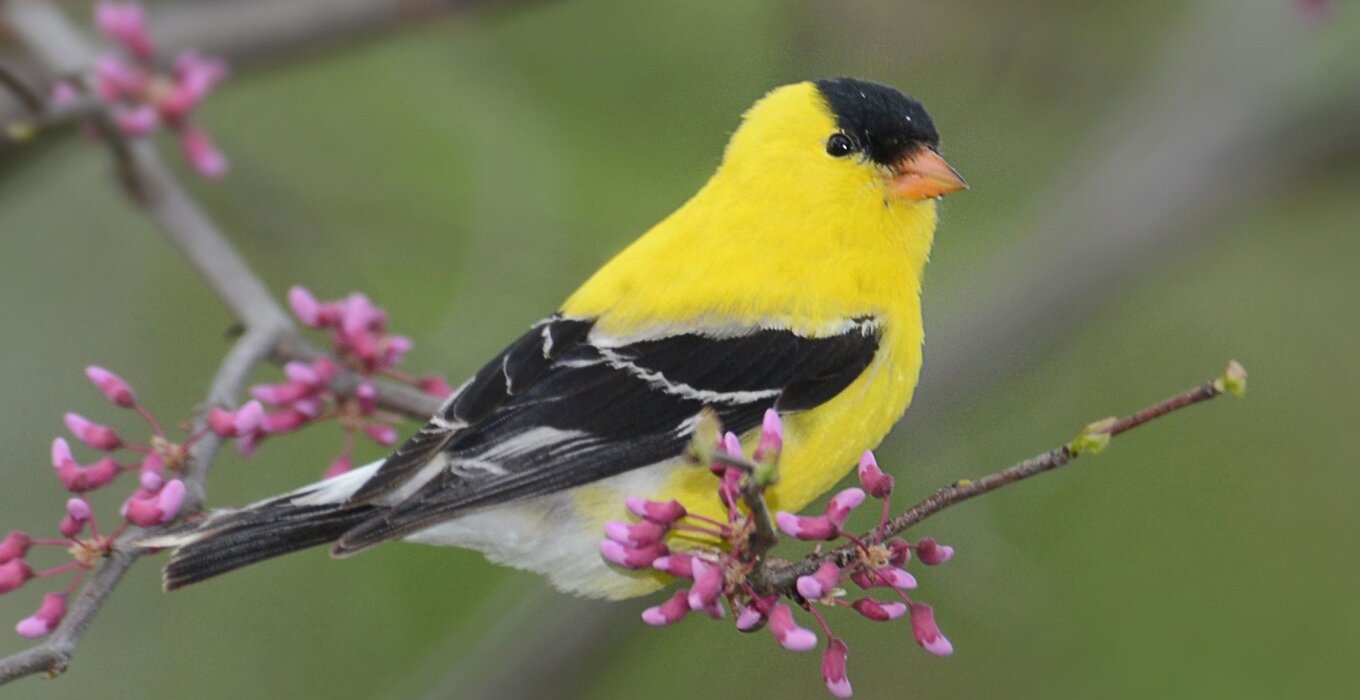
(550,536)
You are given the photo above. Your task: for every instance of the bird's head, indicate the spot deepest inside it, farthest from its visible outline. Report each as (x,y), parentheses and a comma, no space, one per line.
(842,139)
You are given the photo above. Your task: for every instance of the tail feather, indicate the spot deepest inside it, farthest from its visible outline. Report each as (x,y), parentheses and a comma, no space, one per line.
(260,533)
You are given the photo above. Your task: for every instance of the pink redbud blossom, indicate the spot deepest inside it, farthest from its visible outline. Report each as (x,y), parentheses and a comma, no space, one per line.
(394,349)
(13,575)
(926,632)
(49,615)
(750,619)
(114,78)
(731,444)
(202,152)
(833,668)
(879,611)
(771,437)
(436,386)
(137,121)
(302,373)
(884,577)
(636,534)
(669,612)
(708,584)
(384,435)
(678,564)
(367,396)
(933,553)
(114,388)
(307,308)
(842,503)
(878,484)
(805,527)
(899,552)
(656,511)
(158,509)
(281,394)
(14,546)
(715,609)
(76,478)
(339,465)
(631,557)
(100,437)
(151,481)
(287,420)
(125,23)
(789,634)
(77,515)
(820,582)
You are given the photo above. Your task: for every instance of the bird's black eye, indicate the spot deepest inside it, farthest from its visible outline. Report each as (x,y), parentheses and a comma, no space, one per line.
(839,145)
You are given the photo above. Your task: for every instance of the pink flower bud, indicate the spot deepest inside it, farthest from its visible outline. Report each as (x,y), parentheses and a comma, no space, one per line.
(312,407)
(63,93)
(833,668)
(678,564)
(436,386)
(820,582)
(926,632)
(708,584)
(125,23)
(339,465)
(878,484)
(284,421)
(933,553)
(731,444)
(49,615)
(669,612)
(14,574)
(367,396)
(879,611)
(99,437)
(306,307)
(394,349)
(656,511)
(806,528)
(137,121)
(76,478)
(222,422)
(198,74)
(884,577)
(634,535)
(158,509)
(281,394)
(202,153)
(249,418)
(302,373)
(79,509)
(771,437)
(77,515)
(246,444)
(114,78)
(326,370)
(631,557)
(842,503)
(384,435)
(789,634)
(749,619)
(114,388)
(14,546)
(715,609)
(899,552)
(151,481)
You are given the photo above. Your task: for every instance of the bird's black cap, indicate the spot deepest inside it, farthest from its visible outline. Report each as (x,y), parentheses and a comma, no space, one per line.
(883,123)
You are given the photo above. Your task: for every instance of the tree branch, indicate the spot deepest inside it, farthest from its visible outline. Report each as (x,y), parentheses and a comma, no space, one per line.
(54,653)
(782,578)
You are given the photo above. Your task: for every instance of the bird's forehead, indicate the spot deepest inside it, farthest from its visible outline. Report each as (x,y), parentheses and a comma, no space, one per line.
(885,122)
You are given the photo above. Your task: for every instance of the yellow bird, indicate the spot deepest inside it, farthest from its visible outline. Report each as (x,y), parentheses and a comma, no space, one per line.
(790,281)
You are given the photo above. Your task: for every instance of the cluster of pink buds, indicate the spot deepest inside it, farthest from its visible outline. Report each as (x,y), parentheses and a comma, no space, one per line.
(730,570)
(157,500)
(141,96)
(361,344)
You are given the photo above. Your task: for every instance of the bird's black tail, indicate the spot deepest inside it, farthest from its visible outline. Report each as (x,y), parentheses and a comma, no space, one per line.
(228,541)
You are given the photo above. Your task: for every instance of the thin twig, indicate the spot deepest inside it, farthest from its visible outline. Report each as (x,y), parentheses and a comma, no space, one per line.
(55,651)
(781,578)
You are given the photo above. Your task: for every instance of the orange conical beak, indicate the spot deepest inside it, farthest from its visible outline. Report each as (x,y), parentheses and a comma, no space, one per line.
(923,174)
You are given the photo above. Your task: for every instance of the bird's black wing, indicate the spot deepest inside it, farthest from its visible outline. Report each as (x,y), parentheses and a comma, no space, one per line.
(593,409)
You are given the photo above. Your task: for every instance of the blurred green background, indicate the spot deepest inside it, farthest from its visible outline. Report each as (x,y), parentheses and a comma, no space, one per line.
(469,171)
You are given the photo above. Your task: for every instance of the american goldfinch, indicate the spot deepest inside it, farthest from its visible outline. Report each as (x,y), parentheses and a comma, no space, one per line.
(790,281)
